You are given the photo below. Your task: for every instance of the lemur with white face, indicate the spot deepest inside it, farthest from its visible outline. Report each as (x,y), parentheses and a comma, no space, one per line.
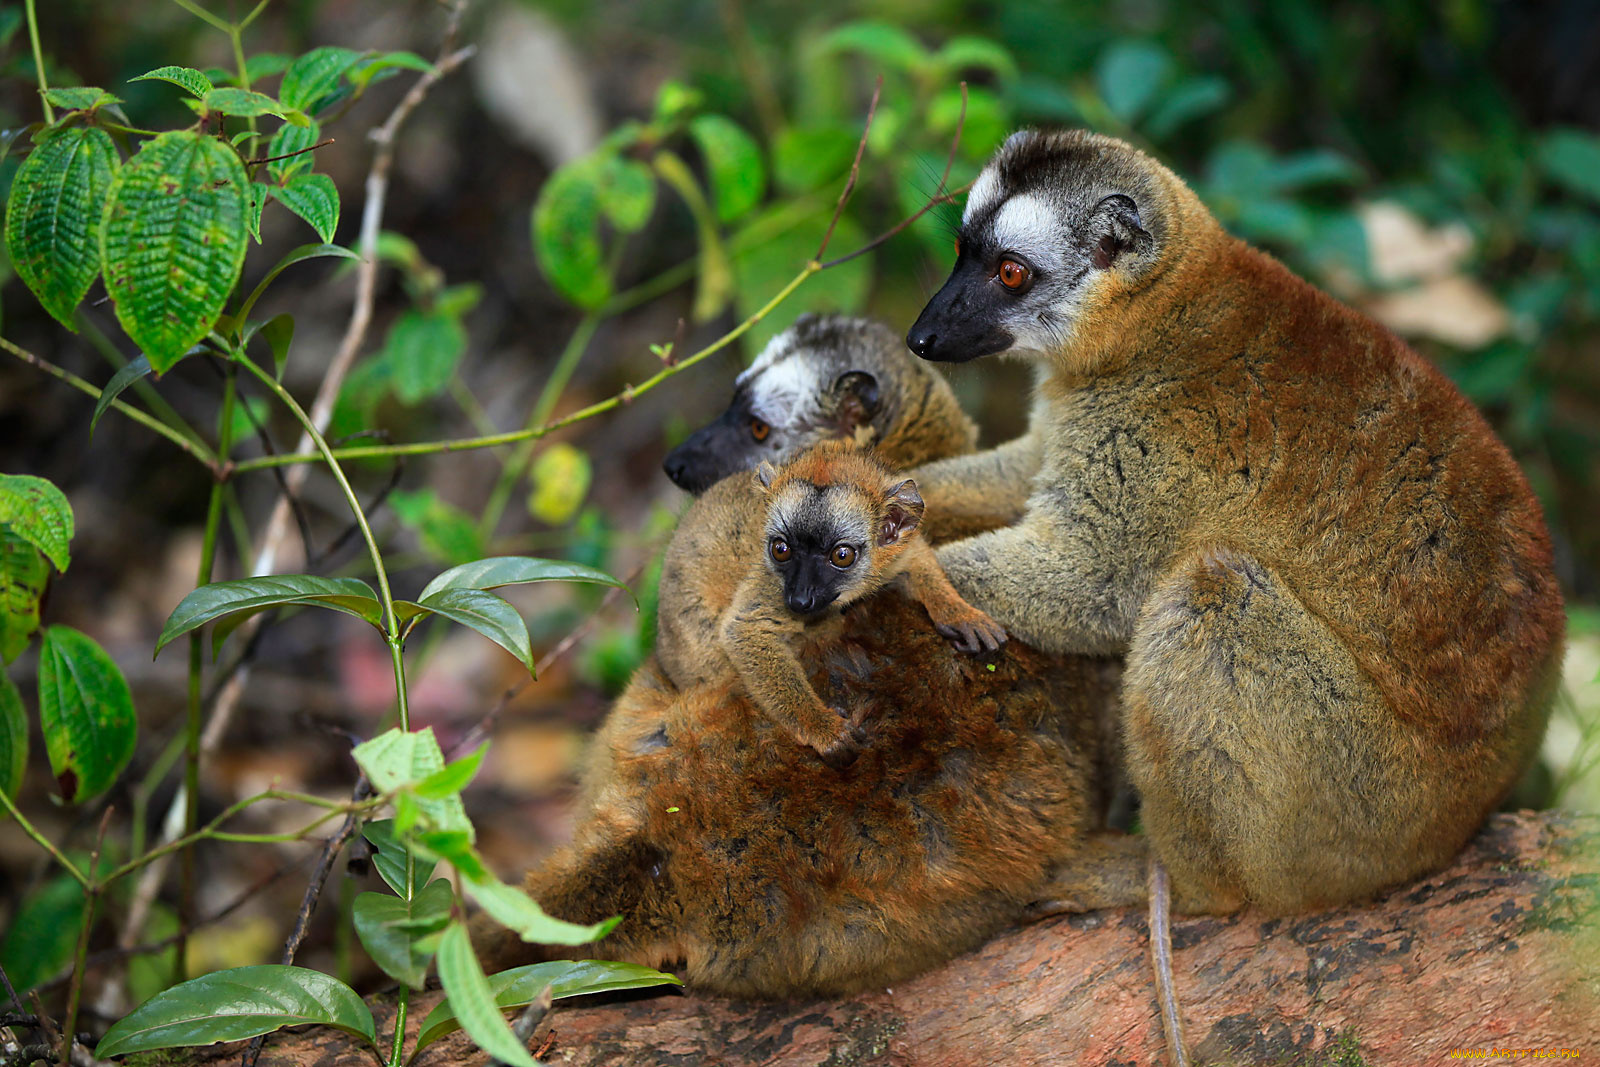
(1332,584)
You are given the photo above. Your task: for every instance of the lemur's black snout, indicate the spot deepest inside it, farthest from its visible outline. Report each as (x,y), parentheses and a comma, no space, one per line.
(962,321)
(921,340)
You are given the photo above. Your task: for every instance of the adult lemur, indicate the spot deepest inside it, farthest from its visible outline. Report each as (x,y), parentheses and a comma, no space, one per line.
(1332,583)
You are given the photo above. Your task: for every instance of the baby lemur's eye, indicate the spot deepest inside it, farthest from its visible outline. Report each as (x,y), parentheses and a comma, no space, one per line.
(1013,275)
(780,549)
(843,555)
(759,429)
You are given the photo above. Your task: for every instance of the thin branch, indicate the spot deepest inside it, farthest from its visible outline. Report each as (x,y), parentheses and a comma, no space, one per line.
(947,198)
(855,167)
(288,155)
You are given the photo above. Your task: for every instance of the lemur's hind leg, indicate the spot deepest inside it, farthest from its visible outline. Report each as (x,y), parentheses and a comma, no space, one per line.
(1266,761)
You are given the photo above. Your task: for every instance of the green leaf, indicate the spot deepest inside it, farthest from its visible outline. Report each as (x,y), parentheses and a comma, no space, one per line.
(174,241)
(807,157)
(521,986)
(42,932)
(986,126)
(975,53)
(1192,99)
(424,348)
(387,63)
(23,576)
(763,270)
(1571,159)
(258,204)
(456,300)
(265,65)
(497,571)
(389,928)
(314,198)
(184,77)
(313,76)
(627,193)
(1317,166)
(734,167)
(38,513)
(57,199)
(453,777)
(349,595)
(886,44)
(566,234)
(560,476)
(235,1004)
(241,102)
(86,713)
(402,760)
(292,139)
(1129,76)
(13,739)
(445,531)
(298,255)
(130,373)
(489,615)
(389,857)
(80,97)
(278,332)
(474,1003)
(512,907)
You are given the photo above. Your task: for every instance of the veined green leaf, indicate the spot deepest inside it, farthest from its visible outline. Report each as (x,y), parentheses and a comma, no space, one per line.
(371,67)
(174,240)
(566,234)
(489,615)
(38,513)
(80,97)
(521,986)
(13,739)
(391,928)
(313,76)
(23,576)
(235,1004)
(86,712)
(184,77)
(627,193)
(314,198)
(424,348)
(241,102)
(401,759)
(389,857)
(349,595)
(475,1008)
(53,217)
(453,777)
(288,140)
(734,167)
(265,65)
(130,373)
(497,571)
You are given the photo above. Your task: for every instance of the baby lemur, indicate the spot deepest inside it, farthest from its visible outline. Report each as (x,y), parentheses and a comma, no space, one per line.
(1331,581)
(839,526)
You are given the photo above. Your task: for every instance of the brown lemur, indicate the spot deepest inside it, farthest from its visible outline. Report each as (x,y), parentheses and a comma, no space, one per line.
(1331,582)
(738,853)
(839,527)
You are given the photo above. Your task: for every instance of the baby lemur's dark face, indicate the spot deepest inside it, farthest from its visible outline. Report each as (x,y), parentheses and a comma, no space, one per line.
(834,544)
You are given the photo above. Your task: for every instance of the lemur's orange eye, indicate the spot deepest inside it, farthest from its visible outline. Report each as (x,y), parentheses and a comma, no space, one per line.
(1013,275)
(843,555)
(780,550)
(759,429)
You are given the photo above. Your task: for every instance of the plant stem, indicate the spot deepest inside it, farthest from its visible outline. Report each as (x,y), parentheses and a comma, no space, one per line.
(431,448)
(244,75)
(191,751)
(399,1026)
(43,841)
(38,62)
(203,15)
(515,467)
(158,404)
(194,448)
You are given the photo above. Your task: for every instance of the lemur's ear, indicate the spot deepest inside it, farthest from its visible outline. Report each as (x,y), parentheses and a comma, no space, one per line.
(858,400)
(1116,229)
(903,514)
(764,475)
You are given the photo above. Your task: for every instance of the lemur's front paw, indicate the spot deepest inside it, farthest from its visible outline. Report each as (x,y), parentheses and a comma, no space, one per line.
(973,634)
(844,749)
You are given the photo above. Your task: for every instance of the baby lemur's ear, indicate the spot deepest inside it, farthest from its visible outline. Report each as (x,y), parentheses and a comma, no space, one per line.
(858,400)
(764,475)
(1115,228)
(902,514)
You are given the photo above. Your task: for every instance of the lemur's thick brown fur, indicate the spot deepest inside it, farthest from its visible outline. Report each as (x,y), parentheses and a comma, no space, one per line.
(1332,583)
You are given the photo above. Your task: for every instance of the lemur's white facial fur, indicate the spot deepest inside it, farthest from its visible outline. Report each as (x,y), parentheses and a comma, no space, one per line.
(1046,223)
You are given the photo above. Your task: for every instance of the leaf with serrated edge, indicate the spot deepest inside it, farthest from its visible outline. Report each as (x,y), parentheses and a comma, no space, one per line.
(389,857)
(53,215)
(80,97)
(497,571)
(39,514)
(186,77)
(13,739)
(564,978)
(400,759)
(349,595)
(314,75)
(24,573)
(86,713)
(314,198)
(293,144)
(453,777)
(390,929)
(173,241)
(486,613)
(737,173)
(241,102)
(235,1004)
(468,989)
(120,381)
(424,348)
